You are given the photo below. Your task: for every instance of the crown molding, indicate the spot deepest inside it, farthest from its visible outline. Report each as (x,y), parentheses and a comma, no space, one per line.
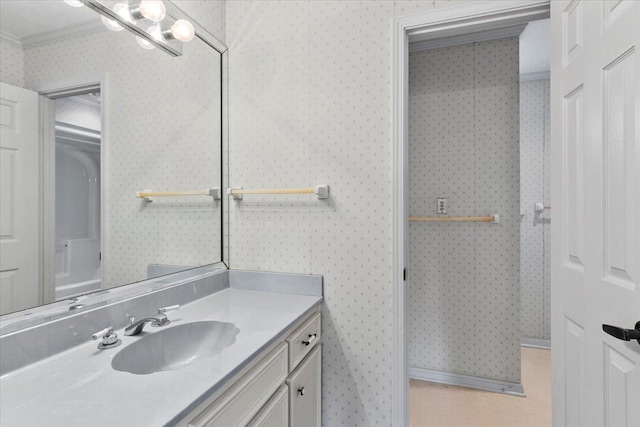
(54,36)
(10,39)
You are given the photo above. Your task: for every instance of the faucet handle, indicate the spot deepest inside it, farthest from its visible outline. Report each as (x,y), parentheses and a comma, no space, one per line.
(109,339)
(103,333)
(162,319)
(163,310)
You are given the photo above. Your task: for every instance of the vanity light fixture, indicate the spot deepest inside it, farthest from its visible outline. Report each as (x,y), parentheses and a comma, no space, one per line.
(145,44)
(143,19)
(154,31)
(182,30)
(123,11)
(153,10)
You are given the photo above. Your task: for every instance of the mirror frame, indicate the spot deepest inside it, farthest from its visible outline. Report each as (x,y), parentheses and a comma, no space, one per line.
(15,321)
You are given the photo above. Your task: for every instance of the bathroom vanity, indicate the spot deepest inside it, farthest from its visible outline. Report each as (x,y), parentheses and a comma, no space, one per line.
(281,389)
(245,350)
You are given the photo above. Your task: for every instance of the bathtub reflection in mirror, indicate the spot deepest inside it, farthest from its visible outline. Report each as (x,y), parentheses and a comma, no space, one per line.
(114,119)
(78,267)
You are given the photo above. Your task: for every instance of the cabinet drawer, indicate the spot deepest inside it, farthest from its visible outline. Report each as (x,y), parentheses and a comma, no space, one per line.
(305,391)
(243,401)
(303,339)
(276,412)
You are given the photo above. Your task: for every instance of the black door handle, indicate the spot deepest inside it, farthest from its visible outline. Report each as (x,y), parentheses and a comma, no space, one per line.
(623,334)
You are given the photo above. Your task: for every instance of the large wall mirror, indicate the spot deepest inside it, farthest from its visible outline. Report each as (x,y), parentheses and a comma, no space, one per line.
(93,118)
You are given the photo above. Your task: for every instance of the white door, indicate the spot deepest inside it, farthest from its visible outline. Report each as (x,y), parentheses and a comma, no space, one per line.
(19,223)
(595,179)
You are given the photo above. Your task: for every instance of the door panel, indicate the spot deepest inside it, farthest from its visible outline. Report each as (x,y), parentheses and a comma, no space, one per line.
(19,199)
(619,178)
(622,387)
(574,373)
(574,170)
(595,181)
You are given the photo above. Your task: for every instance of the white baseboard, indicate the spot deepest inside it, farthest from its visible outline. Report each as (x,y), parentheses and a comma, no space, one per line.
(535,343)
(470,381)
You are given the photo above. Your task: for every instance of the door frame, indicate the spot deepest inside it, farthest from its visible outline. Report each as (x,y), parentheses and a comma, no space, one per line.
(458,21)
(49,91)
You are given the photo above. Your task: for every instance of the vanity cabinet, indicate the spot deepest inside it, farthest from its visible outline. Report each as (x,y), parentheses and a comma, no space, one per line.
(246,397)
(276,412)
(281,389)
(305,391)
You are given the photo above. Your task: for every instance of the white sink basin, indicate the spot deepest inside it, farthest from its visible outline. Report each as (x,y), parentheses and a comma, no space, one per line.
(175,347)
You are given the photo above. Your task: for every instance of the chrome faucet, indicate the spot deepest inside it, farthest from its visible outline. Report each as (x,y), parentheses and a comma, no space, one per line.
(109,338)
(160,319)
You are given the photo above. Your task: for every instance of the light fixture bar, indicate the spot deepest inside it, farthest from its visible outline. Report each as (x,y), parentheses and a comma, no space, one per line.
(172,47)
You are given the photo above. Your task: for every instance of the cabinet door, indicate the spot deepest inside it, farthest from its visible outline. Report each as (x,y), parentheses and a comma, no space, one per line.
(276,412)
(305,391)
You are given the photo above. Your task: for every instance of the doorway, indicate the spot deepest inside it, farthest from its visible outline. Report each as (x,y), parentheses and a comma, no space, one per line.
(48,176)
(478,135)
(78,248)
(445,28)
(74,132)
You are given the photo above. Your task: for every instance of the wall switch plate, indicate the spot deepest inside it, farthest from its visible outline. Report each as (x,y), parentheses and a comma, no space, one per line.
(442,205)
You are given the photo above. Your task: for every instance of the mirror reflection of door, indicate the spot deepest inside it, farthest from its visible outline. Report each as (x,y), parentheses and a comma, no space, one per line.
(19,197)
(77,221)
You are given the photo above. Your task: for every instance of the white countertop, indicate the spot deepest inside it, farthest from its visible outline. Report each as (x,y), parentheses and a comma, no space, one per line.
(80,388)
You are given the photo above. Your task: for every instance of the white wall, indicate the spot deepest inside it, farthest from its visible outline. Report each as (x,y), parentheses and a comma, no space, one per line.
(11,64)
(464,296)
(535,228)
(162,133)
(310,103)
(209,13)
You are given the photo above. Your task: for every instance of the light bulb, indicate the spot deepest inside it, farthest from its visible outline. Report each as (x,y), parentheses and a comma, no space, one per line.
(153,10)
(111,24)
(154,31)
(183,30)
(74,3)
(144,43)
(123,11)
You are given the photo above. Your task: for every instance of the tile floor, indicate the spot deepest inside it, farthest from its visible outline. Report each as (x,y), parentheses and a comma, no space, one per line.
(437,405)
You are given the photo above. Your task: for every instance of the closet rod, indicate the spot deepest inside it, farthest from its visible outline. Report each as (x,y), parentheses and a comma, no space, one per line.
(493,218)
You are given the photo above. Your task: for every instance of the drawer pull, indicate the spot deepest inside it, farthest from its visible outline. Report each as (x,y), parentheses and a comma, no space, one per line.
(310,340)
(301,391)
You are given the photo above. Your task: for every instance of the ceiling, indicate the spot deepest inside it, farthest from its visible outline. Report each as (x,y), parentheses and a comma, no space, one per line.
(29,22)
(535,48)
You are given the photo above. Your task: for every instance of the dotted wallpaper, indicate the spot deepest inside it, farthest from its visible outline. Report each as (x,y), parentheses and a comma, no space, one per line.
(310,103)
(163,133)
(11,64)
(208,13)
(464,292)
(534,230)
